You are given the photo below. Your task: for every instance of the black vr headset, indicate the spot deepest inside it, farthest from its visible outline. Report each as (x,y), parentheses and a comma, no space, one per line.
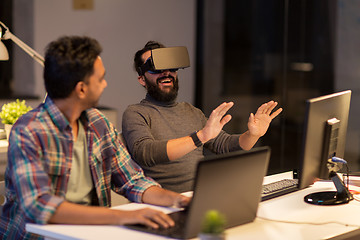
(161,59)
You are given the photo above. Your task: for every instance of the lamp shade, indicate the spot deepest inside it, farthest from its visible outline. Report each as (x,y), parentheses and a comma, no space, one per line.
(4,55)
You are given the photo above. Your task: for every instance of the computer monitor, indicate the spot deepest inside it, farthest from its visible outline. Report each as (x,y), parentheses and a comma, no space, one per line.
(325,128)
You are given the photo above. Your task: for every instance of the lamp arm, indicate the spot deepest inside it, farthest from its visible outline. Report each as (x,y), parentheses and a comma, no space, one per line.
(36,56)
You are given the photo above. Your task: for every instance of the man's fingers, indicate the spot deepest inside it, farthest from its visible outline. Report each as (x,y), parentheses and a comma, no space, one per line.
(262,108)
(251,117)
(222,109)
(163,220)
(277,112)
(225,119)
(182,201)
(148,222)
(267,108)
(270,106)
(154,219)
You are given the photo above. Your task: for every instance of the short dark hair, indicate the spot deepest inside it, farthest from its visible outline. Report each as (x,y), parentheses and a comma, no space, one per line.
(138,62)
(69,60)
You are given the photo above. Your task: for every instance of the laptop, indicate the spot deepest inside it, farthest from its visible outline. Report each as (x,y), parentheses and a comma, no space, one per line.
(229,183)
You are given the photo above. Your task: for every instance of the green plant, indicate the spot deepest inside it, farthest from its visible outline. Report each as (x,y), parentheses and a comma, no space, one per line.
(214,222)
(10,112)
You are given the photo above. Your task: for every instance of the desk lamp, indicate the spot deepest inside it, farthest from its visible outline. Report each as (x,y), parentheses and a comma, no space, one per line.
(4,55)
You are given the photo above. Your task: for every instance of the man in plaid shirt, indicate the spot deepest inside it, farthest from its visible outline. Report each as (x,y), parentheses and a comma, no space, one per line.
(64,156)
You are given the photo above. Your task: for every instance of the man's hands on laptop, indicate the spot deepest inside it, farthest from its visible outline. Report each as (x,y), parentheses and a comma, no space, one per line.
(153,218)
(182,201)
(149,217)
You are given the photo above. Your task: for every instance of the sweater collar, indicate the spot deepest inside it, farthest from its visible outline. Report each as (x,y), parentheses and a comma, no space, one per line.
(159,103)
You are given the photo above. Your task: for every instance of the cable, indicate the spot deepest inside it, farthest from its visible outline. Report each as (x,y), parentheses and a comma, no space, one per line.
(356,197)
(309,223)
(334,161)
(347,173)
(340,160)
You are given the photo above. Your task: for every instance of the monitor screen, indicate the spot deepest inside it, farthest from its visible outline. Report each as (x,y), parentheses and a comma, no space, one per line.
(325,128)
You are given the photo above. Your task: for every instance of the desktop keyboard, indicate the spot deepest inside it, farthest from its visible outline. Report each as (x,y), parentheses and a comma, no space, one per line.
(278,188)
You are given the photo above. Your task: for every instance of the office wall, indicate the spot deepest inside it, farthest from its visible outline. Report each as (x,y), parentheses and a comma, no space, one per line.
(121,26)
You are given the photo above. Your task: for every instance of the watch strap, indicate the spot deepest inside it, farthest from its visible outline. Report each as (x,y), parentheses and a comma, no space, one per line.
(195,139)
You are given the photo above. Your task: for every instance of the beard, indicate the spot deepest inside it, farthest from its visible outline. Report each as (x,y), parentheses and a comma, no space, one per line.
(155,91)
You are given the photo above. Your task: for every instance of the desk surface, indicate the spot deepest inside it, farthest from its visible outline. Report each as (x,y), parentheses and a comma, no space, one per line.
(304,221)
(3,145)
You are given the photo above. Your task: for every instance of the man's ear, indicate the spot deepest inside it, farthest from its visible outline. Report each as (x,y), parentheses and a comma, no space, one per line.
(81,89)
(141,80)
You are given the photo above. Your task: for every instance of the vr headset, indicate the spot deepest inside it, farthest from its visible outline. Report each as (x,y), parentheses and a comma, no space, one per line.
(161,59)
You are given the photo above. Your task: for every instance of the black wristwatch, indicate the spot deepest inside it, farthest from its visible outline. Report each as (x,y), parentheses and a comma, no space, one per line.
(196,140)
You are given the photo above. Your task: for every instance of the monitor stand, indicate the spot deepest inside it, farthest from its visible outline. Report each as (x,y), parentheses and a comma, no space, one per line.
(340,196)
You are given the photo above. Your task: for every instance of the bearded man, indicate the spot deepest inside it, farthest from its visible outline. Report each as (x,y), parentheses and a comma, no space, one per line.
(167,138)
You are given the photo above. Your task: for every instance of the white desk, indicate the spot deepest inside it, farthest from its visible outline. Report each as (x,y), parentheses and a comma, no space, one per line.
(3,145)
(290,207)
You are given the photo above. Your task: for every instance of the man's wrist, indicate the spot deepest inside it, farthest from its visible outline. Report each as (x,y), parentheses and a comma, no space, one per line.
(196,139)
(249,135)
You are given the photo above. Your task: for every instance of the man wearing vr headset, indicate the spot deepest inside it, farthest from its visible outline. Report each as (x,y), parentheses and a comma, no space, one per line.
(167,137)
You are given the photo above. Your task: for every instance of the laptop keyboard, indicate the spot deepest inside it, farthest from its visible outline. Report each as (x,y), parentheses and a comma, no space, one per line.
(175,232)
(278,188)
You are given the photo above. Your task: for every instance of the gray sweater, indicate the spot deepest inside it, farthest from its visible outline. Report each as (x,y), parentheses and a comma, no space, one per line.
(146,128)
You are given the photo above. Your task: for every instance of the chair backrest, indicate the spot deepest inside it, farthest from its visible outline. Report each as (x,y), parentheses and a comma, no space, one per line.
(2,195)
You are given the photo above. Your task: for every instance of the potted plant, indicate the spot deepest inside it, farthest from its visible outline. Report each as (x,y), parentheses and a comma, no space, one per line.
(10,113)
(213,227)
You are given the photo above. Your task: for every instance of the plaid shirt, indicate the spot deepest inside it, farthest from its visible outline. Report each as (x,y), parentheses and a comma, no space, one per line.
(39,164)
